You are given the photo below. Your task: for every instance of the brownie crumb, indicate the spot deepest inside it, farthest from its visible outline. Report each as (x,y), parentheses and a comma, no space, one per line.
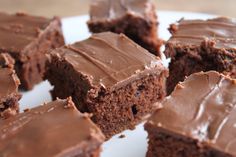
(122,136)
(69,103)
(8,113)
(26,110)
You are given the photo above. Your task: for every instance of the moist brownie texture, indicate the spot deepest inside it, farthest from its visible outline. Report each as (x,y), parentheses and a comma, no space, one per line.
(109,76)
(197,120)
(9,83)
(56,129)
(26,38)
(198,45)
(135,18)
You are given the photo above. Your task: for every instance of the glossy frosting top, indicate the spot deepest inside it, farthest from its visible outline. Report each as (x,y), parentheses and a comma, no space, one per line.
(55,129)
(9,82)
(18,30)
(112,9)
(221,31)
(203,107)
(110,60)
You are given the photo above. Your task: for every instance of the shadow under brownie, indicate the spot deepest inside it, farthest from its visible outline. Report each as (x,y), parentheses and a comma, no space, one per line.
(199,45)
(26,38)
(136,19)
(109,76)
(197,120)
(9,83)
(55,129)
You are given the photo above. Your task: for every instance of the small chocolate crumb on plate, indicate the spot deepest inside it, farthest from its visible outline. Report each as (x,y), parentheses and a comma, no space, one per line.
(122,136)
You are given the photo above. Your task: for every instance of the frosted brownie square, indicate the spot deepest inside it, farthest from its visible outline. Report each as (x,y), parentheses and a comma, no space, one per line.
(197,120)
(109,76)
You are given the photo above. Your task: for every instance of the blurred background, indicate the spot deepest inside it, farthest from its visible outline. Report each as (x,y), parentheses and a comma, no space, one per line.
(78,7)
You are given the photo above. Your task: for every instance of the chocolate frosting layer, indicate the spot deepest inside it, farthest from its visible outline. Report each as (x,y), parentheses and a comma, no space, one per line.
(53,129)
(203,107)
(18,30)
(112,9)
(9,82)
(110,60)
(221,31)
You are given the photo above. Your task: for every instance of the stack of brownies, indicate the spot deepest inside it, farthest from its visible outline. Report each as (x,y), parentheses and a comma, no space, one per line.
(115,79)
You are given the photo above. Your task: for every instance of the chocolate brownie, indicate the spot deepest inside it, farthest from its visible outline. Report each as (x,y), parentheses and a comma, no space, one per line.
(9,83)
(197,120)
(50,130)
(26,38)
(135,18)
(109,76)
(201,45)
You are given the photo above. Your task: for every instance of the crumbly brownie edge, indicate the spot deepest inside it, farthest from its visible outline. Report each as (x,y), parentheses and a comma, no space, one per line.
(30,66)
(186,60)
(129,109)
(164,143)
(62,76)
(10,106)
(125,107)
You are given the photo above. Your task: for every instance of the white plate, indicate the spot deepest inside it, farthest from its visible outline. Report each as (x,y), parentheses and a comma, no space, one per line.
(75,29)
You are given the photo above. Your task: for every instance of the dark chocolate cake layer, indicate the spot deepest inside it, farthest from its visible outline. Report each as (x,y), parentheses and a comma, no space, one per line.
(197,119)
(110,76)
(198,45)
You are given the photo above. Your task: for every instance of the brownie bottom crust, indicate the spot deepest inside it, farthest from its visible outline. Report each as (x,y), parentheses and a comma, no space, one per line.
(162,143)
(113,111)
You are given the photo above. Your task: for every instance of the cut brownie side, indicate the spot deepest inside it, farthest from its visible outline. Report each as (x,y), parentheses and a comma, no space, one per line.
(167,144)
(136,19)
(106,78)
(9,83)
(198,119)
(53,129)
(27,38)
(198,45)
